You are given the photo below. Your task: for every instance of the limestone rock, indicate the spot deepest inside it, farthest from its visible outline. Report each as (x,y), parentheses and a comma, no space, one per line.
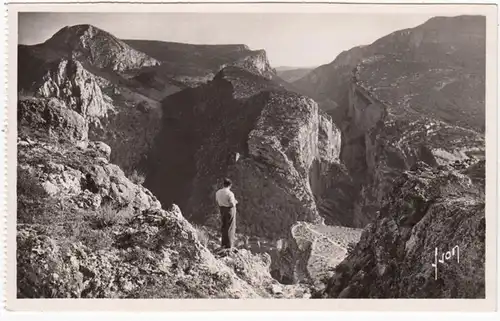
(86,231)
(52,117)
(414,95)
(102,148)
(428,209)
(71,83)
(257,63)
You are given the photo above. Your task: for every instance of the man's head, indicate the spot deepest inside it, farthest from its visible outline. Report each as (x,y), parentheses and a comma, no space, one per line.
(227,182)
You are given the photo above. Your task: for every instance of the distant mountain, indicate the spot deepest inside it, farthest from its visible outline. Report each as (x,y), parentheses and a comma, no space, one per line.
(388,139)
(411,109)
(437,68)
(292,74)
(127,78)
(414,95)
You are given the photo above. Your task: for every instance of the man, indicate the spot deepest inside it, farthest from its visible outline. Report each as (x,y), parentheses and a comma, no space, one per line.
(227,204)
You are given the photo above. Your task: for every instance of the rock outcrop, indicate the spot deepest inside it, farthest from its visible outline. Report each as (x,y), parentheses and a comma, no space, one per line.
(256,62)
(428,209)
(95,72)
(251,129)
(193,65)
(53,118)
(78,88)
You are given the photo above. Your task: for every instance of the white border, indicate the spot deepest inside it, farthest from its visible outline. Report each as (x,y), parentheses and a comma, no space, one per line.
(296,305)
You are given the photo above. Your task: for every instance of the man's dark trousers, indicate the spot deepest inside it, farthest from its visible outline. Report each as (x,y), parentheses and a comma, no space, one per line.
(228,229)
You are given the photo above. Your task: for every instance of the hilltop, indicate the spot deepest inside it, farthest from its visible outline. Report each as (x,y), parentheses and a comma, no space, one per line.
(125,80)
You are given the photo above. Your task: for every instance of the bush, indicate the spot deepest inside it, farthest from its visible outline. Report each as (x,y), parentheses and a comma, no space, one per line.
(137,177)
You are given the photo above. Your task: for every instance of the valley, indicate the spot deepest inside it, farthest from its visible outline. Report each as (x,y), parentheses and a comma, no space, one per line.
(346,174)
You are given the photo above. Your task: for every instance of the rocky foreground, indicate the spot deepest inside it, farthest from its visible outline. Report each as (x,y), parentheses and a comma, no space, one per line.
(86,231)
(400,153)
(428,209)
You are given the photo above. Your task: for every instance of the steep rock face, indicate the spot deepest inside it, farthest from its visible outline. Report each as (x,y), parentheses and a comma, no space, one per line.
(428,209)
(414,95)
(78,88)
(93,71)
(99,48)
(248,128)
(84,230)
(328,84)
(382,141)
(256,62)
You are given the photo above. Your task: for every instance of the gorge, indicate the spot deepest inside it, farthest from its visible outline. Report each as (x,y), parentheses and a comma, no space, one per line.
(346,178)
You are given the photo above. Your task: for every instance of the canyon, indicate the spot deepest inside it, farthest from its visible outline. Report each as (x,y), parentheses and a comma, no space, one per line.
(347,178)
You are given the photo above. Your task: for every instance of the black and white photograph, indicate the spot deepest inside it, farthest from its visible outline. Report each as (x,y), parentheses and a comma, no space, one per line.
(251,155)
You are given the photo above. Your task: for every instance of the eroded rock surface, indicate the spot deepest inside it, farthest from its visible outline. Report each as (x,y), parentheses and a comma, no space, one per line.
(78,88)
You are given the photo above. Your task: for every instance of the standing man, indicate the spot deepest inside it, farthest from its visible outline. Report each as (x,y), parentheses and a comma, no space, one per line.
(227,205)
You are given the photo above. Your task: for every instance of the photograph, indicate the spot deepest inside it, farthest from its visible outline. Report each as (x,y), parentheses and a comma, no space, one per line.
(306,155)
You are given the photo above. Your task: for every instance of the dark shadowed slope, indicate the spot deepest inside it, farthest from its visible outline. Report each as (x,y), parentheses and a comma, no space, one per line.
(276,145)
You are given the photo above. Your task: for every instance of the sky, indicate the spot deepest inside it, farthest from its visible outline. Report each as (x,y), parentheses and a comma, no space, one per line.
(290,39)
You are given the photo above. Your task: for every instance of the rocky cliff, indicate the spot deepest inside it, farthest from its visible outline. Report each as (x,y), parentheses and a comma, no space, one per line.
(414,95)
(411,111)
(396,140)
(99,48)
(432,216)
(273,143)
(78,88)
